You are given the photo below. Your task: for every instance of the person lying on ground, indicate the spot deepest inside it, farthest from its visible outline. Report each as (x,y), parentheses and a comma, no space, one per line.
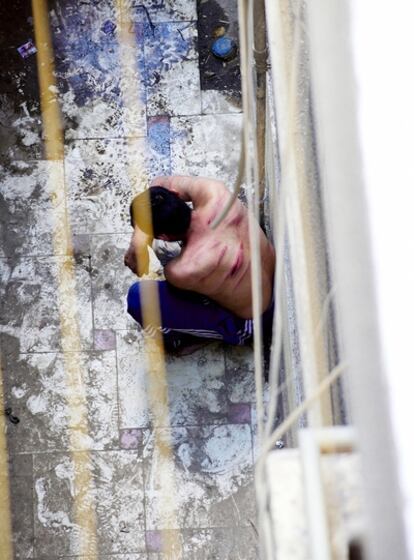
(207,288)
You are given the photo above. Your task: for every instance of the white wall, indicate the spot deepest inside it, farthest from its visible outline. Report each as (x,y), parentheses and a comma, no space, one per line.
(383,53)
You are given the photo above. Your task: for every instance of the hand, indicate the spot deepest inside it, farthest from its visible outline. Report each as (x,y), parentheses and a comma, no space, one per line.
(137,256)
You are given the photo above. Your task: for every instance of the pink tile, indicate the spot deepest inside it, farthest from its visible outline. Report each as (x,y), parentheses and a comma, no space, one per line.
(239,413)
(131,439)
(104,339)
(154,541)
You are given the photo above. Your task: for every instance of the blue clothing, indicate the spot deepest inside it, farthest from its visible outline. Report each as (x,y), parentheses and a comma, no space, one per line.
(186,314)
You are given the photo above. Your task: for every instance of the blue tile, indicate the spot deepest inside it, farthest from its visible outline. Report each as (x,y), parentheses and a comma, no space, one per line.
(172,73)
(159,161)
(169,43)
(89,70)
(160,10)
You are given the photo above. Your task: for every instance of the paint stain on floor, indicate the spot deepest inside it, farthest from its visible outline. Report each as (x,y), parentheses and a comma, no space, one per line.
(181,111)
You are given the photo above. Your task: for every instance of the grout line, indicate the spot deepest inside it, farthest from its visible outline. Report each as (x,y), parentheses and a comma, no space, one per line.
(117,391)
(34,508)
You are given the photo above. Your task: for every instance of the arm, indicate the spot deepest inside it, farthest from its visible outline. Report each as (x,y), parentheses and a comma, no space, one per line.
(198,190)
(137,256)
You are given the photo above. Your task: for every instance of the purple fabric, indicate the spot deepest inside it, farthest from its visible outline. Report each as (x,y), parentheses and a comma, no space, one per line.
(186,313)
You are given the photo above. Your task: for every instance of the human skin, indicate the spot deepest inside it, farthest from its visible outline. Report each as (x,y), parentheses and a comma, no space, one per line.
(216,263)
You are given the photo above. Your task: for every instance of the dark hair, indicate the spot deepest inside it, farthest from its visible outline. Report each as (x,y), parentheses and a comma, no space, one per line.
(170,214)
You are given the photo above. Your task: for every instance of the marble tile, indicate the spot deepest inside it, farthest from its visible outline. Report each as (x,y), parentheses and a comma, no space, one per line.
(131,439)
(160,10)
(240,378)
(81,246)
(132,388)
(21,500)
(172,74)
(110,282)
(207,146)
(33,301)
(20,131)
(221,102)
(36,389)
(205,544)
(158,161)
(213,477)
(239,413)
(119,498)
(91,71)
(196,385)
(27,213)
(102,176)
(104,339)
(141,556)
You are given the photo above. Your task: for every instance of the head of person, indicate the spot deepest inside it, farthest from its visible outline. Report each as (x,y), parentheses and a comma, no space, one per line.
(171,216)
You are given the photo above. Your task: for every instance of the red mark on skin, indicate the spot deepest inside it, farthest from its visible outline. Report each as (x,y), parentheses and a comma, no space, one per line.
(239,281)
(217,207)
(234,222)
(221,255)
(238,261)
(212,218)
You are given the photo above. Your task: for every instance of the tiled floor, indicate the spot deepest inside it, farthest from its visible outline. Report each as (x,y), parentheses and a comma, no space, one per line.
(177,128)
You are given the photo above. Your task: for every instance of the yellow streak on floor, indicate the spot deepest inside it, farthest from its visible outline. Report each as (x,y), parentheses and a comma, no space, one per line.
(83,506)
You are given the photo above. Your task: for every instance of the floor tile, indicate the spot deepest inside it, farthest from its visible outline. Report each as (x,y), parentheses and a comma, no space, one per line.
(196,385)
(27,227)
(213,477)
(20,132)
(89,71)
(104,339)
(171,61)
(21,500)
(221,544)
(132,389)
(139,556)
(113,149)
(214,101)
(118,493)
(198,144)
(131,439)
(36,390)
(29,302)
(102,177)
(158,161)
(240,378)
(160,11)
(110,281)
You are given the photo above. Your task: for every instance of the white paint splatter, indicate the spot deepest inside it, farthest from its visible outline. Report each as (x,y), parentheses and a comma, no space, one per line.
(47,517)
(19,392)
(37,404)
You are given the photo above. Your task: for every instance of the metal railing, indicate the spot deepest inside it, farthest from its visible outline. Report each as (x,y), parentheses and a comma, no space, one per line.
(325,317)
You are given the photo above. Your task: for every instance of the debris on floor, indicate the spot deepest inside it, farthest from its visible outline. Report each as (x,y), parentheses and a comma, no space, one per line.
(108,27)
(27,49)
(13,419)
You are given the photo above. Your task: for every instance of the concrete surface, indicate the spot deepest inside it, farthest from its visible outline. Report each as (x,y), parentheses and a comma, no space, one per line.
(182,129)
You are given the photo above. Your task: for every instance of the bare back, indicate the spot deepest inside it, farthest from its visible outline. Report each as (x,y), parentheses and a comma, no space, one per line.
(217,263)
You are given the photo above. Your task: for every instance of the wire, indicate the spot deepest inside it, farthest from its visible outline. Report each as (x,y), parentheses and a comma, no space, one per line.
(279,432)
